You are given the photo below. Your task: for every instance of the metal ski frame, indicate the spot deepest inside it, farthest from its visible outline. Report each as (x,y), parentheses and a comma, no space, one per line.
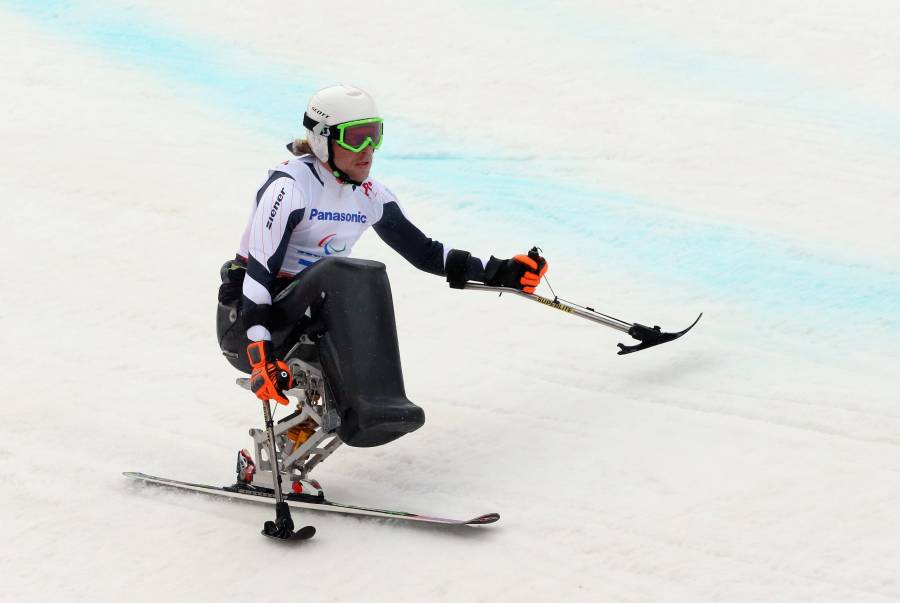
(312,403)
(648,337)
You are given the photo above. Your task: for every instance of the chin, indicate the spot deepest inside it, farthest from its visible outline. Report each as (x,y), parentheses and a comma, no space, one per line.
(360,175)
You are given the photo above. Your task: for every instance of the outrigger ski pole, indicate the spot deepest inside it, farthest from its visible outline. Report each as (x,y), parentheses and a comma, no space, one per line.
(647,336)
(283,526)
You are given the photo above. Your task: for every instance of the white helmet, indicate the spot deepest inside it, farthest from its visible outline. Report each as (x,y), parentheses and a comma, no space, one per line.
(332,106)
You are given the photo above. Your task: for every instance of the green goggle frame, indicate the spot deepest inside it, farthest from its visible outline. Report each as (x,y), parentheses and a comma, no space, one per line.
(358,134)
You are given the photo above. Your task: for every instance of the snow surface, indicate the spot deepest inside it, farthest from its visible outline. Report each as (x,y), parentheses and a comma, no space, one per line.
(669,158)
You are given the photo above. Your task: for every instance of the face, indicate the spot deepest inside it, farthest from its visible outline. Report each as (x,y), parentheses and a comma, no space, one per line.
(355,165)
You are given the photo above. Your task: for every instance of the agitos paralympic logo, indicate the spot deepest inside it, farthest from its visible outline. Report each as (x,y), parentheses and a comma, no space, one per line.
(327,244)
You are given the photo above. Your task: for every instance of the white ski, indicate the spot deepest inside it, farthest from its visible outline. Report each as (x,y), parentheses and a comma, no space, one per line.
(305,501)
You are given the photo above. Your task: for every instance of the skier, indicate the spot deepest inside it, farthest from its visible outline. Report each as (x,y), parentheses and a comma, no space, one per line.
(292,284)
(292,274)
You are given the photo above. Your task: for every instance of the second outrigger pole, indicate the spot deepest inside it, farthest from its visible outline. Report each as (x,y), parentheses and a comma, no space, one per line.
(647,336)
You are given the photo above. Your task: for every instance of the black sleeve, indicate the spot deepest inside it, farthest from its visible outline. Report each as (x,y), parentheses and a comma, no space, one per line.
(396,230)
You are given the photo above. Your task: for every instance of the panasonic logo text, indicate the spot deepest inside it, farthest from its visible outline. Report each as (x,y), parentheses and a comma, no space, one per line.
(337,216)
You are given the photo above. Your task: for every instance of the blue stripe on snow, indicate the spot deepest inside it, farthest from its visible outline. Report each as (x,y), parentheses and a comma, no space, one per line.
(723,261)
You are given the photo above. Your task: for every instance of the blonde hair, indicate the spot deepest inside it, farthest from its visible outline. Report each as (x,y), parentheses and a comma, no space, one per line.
(301,147)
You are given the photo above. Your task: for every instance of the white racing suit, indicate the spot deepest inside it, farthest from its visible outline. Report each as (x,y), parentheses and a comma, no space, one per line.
(301,215)
(292,276)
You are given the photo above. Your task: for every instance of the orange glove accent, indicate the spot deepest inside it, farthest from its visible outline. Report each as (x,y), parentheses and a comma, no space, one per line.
(269,378)
(535,269)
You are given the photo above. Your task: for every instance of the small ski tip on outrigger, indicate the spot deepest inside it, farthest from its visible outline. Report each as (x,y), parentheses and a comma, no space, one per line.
(647,336)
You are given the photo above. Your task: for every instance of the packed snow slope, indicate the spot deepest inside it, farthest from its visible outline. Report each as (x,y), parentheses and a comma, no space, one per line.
(669,158)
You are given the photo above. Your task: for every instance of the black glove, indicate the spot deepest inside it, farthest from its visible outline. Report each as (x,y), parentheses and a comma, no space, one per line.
(520,272)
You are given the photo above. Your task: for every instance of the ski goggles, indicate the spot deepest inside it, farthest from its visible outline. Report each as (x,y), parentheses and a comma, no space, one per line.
(358,134)
(353,135)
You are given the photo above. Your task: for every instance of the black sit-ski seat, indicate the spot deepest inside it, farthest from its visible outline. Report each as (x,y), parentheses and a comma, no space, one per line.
(360,353)
(352,324)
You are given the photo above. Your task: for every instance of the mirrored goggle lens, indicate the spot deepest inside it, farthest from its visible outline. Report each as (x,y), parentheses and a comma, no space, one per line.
(355,136)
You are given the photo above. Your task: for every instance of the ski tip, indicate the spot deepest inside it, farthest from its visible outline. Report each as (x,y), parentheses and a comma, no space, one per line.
(483,519)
